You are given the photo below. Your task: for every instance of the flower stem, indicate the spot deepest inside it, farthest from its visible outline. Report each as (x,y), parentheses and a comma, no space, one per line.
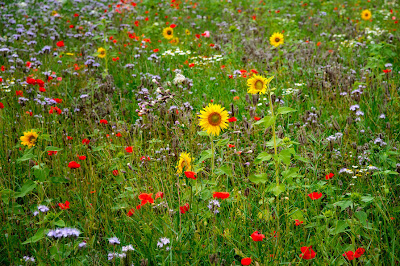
(274,137)
(212,155)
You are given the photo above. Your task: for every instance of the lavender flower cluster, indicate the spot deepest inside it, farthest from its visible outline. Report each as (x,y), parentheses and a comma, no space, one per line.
(64,233)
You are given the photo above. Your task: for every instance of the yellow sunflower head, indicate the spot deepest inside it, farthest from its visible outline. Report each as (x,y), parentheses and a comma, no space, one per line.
(187,32)
(213,119)
(184,163)
(258,84)
(366,14)
(29,138)
(276,39)
(168,33)
(101,52)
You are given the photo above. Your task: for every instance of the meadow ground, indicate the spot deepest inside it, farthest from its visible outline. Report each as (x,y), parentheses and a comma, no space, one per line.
(199,133)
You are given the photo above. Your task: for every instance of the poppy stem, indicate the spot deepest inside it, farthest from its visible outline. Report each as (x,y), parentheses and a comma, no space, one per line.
(274,137)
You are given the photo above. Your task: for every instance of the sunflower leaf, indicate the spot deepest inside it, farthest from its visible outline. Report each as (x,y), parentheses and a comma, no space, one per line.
(285,110)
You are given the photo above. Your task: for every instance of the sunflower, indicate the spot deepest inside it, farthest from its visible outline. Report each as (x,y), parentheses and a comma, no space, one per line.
(187,32)
(101,52)
(276,39)
(366,14)
(213,119)
(184,163)
(29,138)
(258,84)
(168,33)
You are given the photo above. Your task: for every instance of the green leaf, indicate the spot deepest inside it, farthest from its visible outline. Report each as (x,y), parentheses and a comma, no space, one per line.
(266,121)
(26,188)
(285,110)
(344,204)
(28,155)
(262,157)
(225,169)
(285,156)
(341,226)
(367,199)
(362,216)
(297,214)
(51,148)
(202,133)
(291,173)
(204,155)
(45,137)
(277,189)
(259,178)
(222,142)
(58,222)
(38,236)
(299,158)
(41,173)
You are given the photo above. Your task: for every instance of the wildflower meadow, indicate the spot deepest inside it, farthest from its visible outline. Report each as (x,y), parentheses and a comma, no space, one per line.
(209,132)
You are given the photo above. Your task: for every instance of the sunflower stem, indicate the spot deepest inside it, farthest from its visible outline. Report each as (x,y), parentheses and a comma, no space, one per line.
(212,155)
(274,137)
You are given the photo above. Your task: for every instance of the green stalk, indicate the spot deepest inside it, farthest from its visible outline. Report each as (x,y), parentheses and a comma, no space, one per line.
(212,155)
(274,137)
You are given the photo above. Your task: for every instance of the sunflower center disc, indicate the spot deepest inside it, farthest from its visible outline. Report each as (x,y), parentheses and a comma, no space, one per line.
(32,139)
(169,32)
(214,119)
(259,85)
(277,39)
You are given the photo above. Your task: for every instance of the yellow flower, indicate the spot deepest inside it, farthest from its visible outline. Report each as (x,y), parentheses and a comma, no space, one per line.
(258,84)
(174,41)
(213,119)
(54,13)
(168,33)
(366,14)
(184,163)
(101,52)
(276,39)
(29,138)
(187,32)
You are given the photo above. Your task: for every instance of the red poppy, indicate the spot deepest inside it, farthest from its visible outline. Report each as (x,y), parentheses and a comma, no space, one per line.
(156,50)
(58,100)
(231,146)
(349,255)
(30,81)
(28,64)
(71,26)
(19,93)
(387,71)
(60,43)
(76,15)
(69,138)
(143,158)
(307,253)
(85,141)
(315,195)
(42,89)
(129,149)
(118,134)
(190,174)
(246,261)
(82,158)
(191,65)
(159,195)
(359,252)
(144,197)
(64,206)
(115,172)
(298,222)
(172,26)
(3,68)
(257,118)
(1,105)
(232,119)
(40,82)
(221,195)
(184,208)
(74,165)
(256,236)
(103,121)
(254,71)
(130,212)
(329,176)
(51,153)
